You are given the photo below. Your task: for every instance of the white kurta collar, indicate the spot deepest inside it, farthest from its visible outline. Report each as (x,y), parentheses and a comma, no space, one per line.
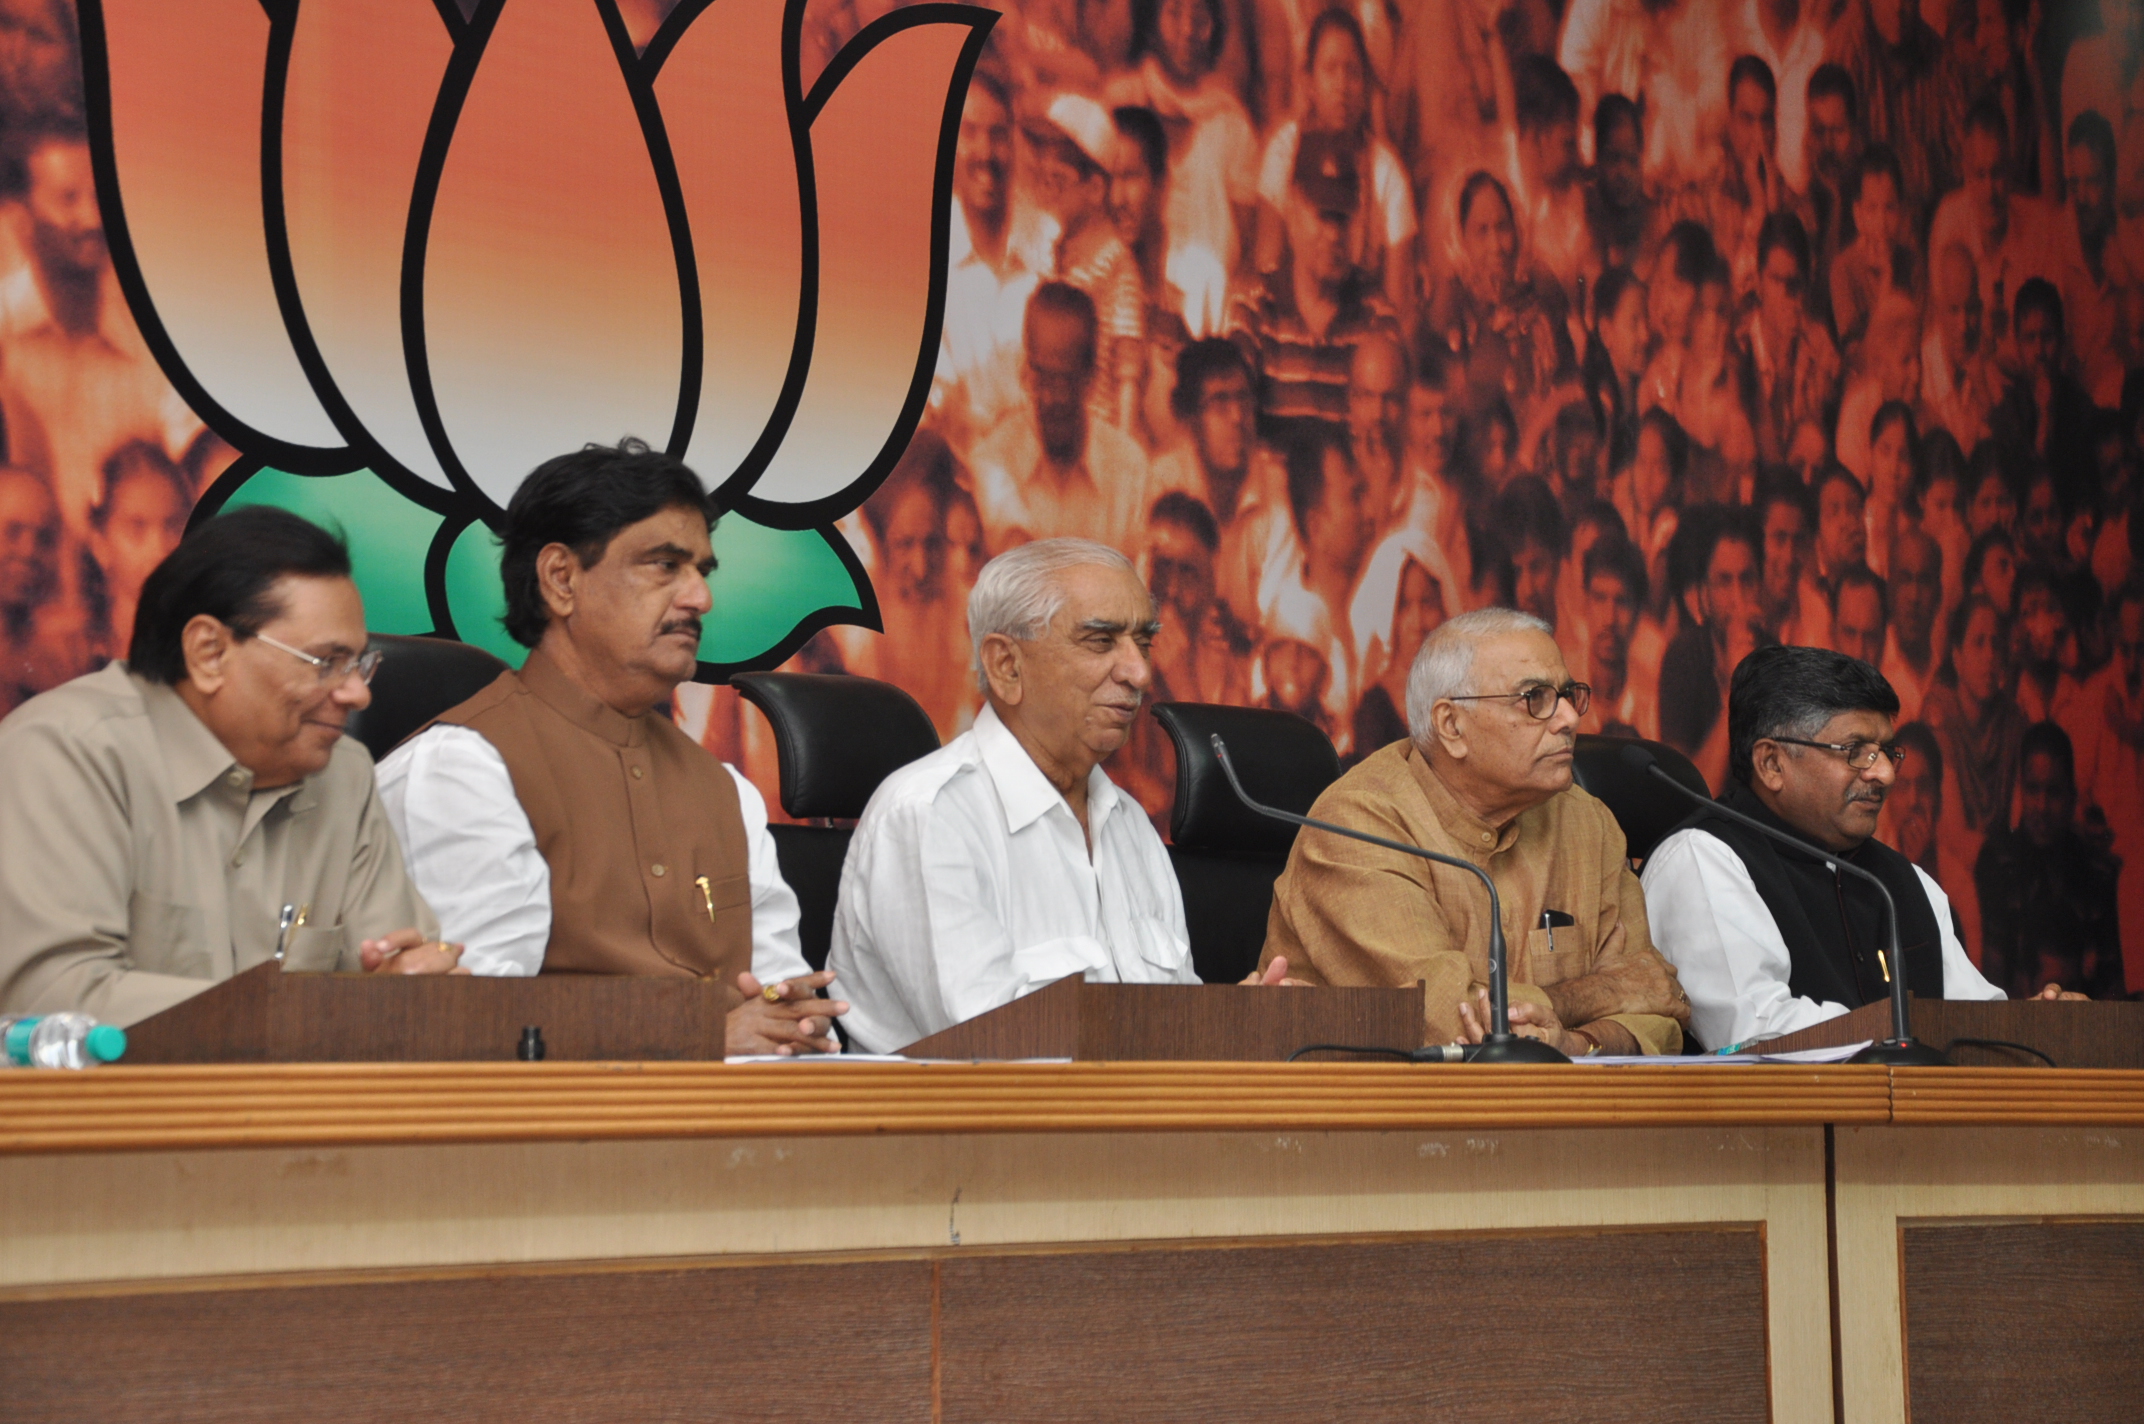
(1023,790)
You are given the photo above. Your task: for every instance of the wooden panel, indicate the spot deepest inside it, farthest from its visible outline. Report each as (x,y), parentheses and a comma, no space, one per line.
(2019,1322)
(1044,1024)
(299,1105)
(1208,1023)
(1972,1175)
(267,1016)
(2022,1097)
(2076,1035)
(1231,1022)
(707,1344)
(1636,1326)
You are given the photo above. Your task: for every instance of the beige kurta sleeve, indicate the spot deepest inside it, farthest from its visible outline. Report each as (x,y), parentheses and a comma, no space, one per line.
(67,879)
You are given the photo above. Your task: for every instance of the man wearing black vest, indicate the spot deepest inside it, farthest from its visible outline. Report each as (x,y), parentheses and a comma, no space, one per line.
(1767,940)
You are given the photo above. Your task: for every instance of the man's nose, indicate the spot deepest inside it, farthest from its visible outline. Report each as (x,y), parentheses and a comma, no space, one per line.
(697,597)
(1565,717)
(1883,773)
(353,693)
(1135,666)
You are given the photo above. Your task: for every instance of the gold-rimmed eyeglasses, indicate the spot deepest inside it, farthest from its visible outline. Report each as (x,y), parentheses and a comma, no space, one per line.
(1859,755)
(1540,699)
(333,670)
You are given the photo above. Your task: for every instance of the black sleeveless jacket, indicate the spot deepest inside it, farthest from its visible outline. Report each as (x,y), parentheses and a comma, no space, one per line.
(1833,923)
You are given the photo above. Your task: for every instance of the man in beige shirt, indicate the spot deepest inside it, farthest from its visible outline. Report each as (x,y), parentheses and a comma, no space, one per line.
(1485,776)
(159,815)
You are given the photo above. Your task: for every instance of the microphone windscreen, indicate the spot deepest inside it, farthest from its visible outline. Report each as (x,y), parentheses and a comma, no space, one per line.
(1638,757)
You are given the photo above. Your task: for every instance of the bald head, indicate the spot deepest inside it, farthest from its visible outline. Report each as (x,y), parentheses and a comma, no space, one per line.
(1377,391)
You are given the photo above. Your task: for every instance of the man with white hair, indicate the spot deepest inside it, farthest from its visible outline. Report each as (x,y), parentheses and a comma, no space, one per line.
(1007,859)
(1485,775)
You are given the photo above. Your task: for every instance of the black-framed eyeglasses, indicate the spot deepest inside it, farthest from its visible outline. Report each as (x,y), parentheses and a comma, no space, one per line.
(1859,755)
(333,671)
(1540,700)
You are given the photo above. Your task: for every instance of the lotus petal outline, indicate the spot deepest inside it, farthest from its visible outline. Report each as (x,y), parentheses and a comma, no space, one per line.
(375,235)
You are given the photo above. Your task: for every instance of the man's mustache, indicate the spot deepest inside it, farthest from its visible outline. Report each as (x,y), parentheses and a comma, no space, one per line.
(679,625)
(1868,793)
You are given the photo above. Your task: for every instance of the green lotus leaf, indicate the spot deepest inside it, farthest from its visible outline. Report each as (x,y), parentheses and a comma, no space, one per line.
(772,587)
(386,532)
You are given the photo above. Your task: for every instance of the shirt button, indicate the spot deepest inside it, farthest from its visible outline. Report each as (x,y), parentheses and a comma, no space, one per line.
(1487,838)
(239,859)
(236,778)
(636,773)
(655,870)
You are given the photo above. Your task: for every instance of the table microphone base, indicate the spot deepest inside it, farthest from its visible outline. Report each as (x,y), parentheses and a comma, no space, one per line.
(1900,1053)
(1511,1048)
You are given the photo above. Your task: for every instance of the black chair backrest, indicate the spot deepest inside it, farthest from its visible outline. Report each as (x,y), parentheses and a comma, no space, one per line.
(417,680)
(1282,760)
(1227,856)
(836,736)
(811,858)
(1644,808)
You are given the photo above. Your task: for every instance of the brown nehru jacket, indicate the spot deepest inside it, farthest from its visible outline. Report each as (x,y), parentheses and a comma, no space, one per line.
(1354,914)
(631,815)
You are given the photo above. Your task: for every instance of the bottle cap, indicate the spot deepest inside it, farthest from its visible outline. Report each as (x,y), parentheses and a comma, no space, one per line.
(17,1046)
(106,1043)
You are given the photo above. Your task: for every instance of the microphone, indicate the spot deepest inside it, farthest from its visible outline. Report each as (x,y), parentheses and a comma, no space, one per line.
(1502,1045)
(1900,1050)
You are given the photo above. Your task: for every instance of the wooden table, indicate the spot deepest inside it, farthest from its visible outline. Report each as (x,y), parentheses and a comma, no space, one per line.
(1041,1242)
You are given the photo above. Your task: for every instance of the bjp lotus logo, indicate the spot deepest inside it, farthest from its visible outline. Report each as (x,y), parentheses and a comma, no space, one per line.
(398,257)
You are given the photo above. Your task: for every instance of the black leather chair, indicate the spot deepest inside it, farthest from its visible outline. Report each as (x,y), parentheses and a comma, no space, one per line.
(1226,855)
(1644,808)
(417,680)
(836,737)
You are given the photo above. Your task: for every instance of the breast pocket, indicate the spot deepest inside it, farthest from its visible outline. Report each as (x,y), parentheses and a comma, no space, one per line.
(1052,960)
(1160,952)
(727,892)
(316,949)
(1570,958)
(165,938)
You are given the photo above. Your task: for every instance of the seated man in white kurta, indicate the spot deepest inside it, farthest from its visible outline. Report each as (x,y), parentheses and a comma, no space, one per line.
(1008,859)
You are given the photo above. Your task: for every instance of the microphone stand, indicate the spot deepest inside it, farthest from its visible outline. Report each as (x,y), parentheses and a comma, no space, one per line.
(1501,1045)
(1901,1049)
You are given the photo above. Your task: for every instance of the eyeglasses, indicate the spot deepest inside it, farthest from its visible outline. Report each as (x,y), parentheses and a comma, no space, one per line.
(333,672)
(1859,755)
(1540,699)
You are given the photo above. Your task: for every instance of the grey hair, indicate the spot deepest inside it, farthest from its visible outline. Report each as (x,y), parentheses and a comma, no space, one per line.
(1446,659)
(1018,593)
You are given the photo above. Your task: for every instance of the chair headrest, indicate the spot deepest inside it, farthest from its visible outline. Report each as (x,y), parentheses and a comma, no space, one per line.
(837,736)
(417,680)
(1645,810)
(1283,761)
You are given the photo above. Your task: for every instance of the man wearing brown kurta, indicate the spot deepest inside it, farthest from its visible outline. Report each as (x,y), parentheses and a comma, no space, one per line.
(562,822)
(1485,776)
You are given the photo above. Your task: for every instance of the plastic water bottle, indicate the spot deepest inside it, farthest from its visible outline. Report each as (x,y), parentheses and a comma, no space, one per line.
(63,1041)
(7,1026)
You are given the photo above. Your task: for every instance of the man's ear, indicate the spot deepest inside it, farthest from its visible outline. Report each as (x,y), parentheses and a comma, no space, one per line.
(1000,656)
(558,571)
(1768,760)
(207,645)
(1444,725)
